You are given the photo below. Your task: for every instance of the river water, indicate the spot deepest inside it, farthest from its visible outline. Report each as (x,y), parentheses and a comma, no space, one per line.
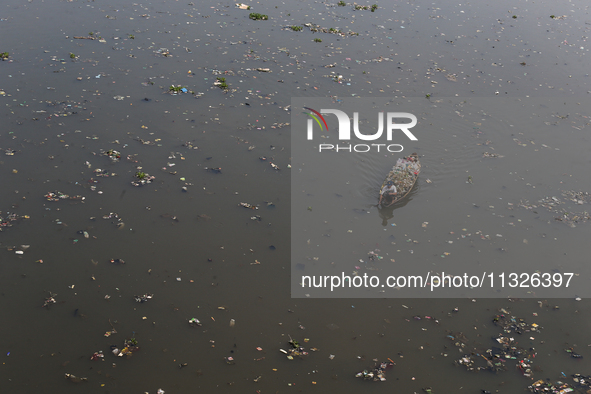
(86,82)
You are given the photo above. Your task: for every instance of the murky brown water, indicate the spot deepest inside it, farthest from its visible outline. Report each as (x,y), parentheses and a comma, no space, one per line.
(60,113)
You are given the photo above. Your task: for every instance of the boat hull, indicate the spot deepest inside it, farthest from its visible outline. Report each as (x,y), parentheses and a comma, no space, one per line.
(404,175)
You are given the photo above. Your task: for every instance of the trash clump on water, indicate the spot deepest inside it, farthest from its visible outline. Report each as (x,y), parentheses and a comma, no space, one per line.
(194,322)
(488,155)
(553,204)
(177,89)
(97,356)
(74,378)
(373,255)
(582,384)
(142,178)
(582,380)
(143,298)
(511,324)
(216,170)
(377,373)
(57,196)
(113,215)
(319,29)
(9,219)
(247,205)
(111,332)
(129,347)
(572,353)
(164,52)
(506,348)
(49,300)
(113,155)
(103,173)
(495,358)
(61,108)
(190,145)
(295,350)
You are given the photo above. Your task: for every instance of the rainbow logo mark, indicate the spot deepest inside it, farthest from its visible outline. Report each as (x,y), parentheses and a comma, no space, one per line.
(315,114)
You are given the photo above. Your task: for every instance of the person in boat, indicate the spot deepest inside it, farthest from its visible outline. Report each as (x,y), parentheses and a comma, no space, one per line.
(388,192)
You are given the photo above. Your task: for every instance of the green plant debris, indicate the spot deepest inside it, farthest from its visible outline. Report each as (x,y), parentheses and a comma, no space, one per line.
(221,83)
(296,28)
(72,56)
(341,3)
(318,29)
(317,40)
(258,17)
(372,8)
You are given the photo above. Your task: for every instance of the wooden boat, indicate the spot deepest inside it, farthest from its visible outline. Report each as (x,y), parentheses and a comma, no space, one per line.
(404,175)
